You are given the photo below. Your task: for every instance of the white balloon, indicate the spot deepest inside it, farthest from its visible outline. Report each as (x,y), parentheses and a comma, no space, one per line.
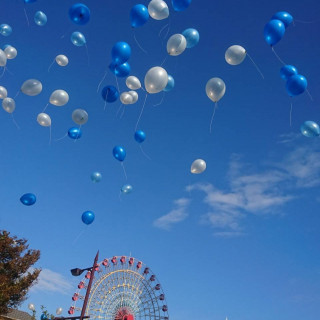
(134,96)
(31,306)
(3,92)
(8,104)
(62,60)
(155,80)
(133,83)
(198,166)
(126,98)
(3,58)
(235,55)
(80,116)
(10,52)
(59,311)
(158,10)
(215,89)
(31,87)
(44,119)
(59,98)
(176,44)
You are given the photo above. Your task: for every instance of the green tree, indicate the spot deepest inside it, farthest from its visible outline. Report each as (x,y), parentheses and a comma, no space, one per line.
(15,276)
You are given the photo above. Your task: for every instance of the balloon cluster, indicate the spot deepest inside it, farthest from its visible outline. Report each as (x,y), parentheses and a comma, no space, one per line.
(296,83)
(177,43)
(79,14)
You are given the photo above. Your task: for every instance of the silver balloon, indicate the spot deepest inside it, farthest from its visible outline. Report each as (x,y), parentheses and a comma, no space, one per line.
(80,116)
(59,311)
(3,58)
(215,89)
(10,52)
(134,96)
(235,55)
(133,83)
(62,60)
(176,44)
(59,98)
(155,80)
(31,307)
(31,87)
(126,98)
(3,92)
(198,166)
(44,119)
(8,104)
(158,10)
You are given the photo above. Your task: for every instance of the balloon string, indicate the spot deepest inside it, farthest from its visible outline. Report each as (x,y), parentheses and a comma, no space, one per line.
(78,236)
(51,65)
(15,122)
(167,31)
(301,21)
(141,110)
(105,105)
(123,110)
(87,51)
(124,170)
(291,114)
(16,94)
(310,96)
(159,34)
(50,136)
(255,65)
(158,104)
(138,44)
(119,109)
(104,76)
(272,48)
(4,69)
(214,111)
(45,107)
(144,152)
(117,83)
(120,196)
(25,12)
(61,137)
(164,60)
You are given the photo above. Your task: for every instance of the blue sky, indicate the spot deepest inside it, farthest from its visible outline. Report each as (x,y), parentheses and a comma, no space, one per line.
(240,240)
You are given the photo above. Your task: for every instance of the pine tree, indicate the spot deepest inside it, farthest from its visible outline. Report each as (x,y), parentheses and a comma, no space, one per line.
(15,276)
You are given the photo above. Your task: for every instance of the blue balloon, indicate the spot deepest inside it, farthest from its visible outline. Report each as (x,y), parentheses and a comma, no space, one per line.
(87,217)
(122,70)
(40,18)
(192,36)
(274,31)
(139,15)
(78,39)
(180,5)
(296,85)
(310,129)
(287,71)
(74,133)
(29,1)
(119,153)
(120,53)
(96,177)
(79,13)
(170,84)
(43,317)
(283,16)
(127,188)
(139,136)
(110,94)
(6,46)
(28,199)
(5,30)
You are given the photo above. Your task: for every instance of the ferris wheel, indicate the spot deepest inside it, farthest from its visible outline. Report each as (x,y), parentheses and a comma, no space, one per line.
(123,288)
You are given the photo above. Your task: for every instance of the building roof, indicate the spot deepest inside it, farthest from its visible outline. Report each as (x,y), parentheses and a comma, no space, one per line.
(17,315)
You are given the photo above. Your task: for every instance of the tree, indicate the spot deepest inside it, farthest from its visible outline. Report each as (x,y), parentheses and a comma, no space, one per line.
(15,276)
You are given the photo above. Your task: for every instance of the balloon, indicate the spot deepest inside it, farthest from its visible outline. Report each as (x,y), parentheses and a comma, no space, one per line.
(110,94)
(28,199)
(3,58)
(43,317)
(29,1)
(3,92)
(79,13)
(296,85)
(283,16)
(126,98)
(310,129)
(31,306)
(78,39)
(62,60)
(215,89)
(192,37)
(96,177)
(87,217)
(8,104)
(170,84)
(10,52)
(198,166)
(274,31)
(134,96)
(31,87)
(158,9)
(287,71)
(80,116)
(155,80)
(74,133)
(235,55)
(122,70)
(40,18)
(133,83)
(59,98)
(176,44)
(139,15)
(120,53)
(59,311)
(139,136)
(180,5)
(126,189)
(44,120)
(5,30)
(119,153)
